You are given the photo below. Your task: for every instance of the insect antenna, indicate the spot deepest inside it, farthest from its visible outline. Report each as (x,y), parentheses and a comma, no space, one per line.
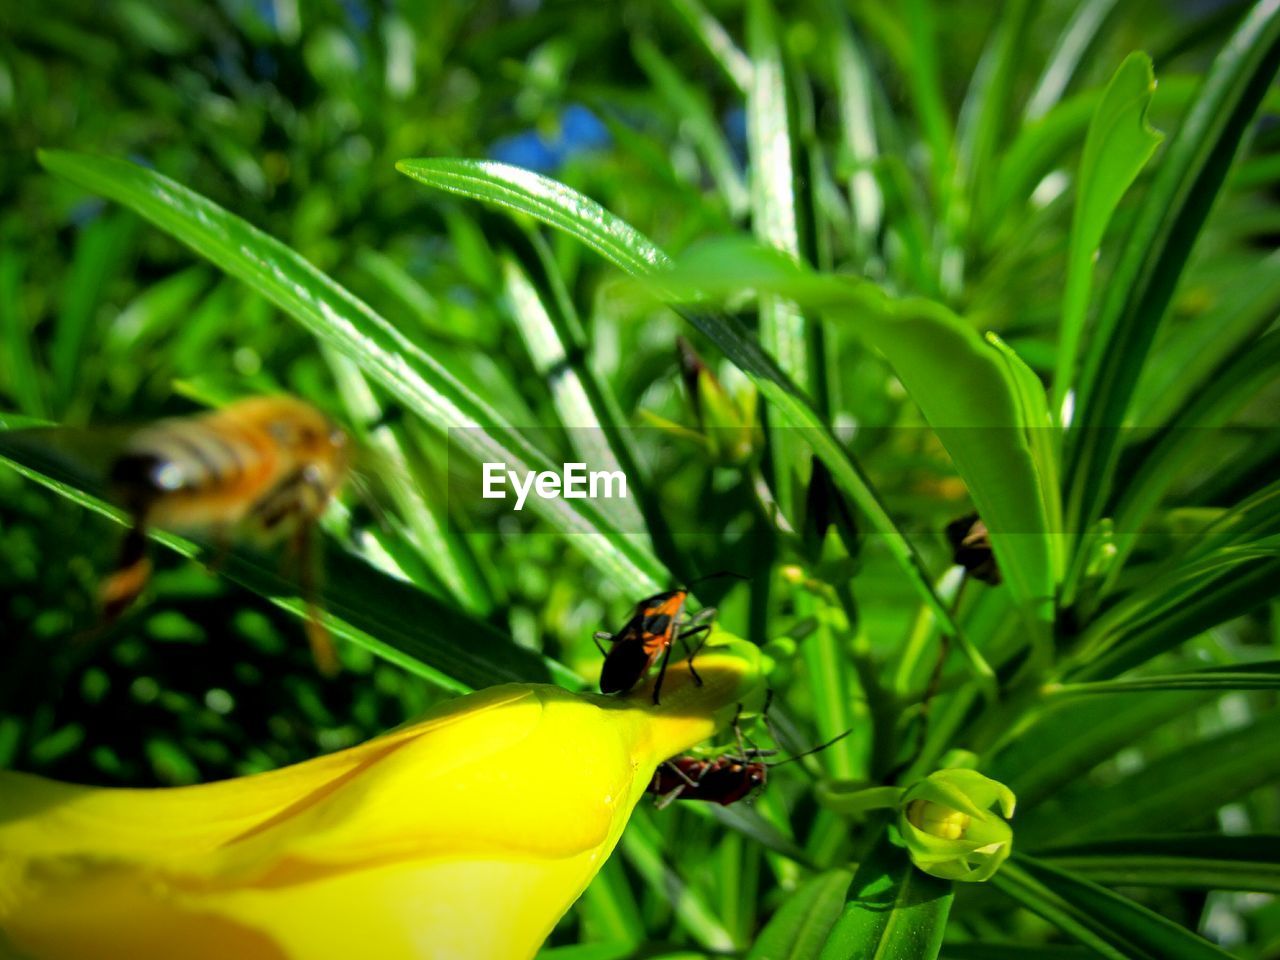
(820,747)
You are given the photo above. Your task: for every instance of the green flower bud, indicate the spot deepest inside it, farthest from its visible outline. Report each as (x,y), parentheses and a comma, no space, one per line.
(950,829)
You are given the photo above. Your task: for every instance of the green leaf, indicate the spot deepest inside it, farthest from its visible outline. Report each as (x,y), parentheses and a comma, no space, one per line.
(784,330)
(800,927)
(1071,737)
(18,370)
(1073,43)
(643,848)
(1181,443)
(353,328)
(1204,862)
(1180,788)
(1118,145)
(1263,675)
(699,119)
(1013,951)
(101,249)
(1175,208)
(895,912)
(1112,925)
(391,618)
(924,82)
(518,190)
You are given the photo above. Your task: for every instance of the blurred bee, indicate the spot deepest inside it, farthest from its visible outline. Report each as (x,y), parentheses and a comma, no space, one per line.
(263,467)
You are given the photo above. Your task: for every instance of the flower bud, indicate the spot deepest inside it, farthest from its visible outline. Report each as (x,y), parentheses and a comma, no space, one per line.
(949,828)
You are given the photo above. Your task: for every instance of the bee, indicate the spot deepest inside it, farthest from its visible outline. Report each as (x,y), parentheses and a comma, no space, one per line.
(263,467)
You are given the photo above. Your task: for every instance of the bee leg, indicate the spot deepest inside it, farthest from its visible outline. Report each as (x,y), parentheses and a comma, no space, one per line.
(133,571)
(305,547)
(601,635)
(662,672)
(221,544)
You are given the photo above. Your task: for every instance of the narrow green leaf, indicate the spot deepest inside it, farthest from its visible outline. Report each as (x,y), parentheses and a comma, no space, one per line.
(894,912)
(925,85)
(857,129)
(18,371)
(427,527)
(716,41)
(1155,252)
(1118,145)
(1071,737)
(383,352)
(515,189)
(697,117)
(784,330)
(551,359)
(1177,789)
(643,848)
(984,114)
(1196,862)
(1195,353)
(101,247)
(1073,43)
(986,950)
(800,927)
(1113,925)
(1263,675)
(1182,441)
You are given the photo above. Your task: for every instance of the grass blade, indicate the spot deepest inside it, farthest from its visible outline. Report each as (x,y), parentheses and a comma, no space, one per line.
(800,927)
(1074,42)
(1204,862)
(1109,923)
(1118,145)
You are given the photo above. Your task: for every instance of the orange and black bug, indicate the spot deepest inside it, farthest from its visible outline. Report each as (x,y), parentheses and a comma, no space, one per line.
(725,779)
(655,624)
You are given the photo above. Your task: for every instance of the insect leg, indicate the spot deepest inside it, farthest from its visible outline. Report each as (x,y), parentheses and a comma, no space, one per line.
(662,672)
(132,572)
(664,800)
(306,547)
(703,630)
(602,635)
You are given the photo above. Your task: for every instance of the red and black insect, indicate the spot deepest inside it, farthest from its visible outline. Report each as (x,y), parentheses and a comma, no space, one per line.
(725,779)
(655,624)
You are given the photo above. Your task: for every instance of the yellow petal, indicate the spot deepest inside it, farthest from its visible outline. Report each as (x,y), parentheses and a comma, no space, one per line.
(465,835)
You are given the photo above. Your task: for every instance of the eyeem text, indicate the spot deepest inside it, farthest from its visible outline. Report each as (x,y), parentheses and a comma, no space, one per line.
(574,482)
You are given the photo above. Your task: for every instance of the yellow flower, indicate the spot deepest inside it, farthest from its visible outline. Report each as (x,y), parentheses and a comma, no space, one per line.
(465,835)
(949,828)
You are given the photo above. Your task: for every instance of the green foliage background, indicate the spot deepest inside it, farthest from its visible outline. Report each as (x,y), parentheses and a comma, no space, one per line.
(932,173)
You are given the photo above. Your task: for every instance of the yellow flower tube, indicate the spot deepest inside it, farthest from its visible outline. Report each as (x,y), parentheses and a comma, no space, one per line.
(465,835)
